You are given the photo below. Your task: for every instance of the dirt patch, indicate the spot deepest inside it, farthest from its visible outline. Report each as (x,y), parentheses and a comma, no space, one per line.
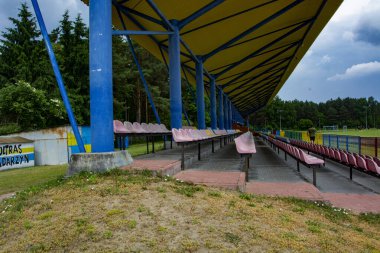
(6,196)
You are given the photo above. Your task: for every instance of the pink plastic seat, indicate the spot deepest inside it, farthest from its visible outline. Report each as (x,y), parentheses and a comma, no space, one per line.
(310,160)
(343,156)
(352,160)
(377,160)
(180,136)
(145,127)
(337,155)
(361,162)
(128,125)
(137,128)
(245,144)
(164,129)
(372,166)
(119,128)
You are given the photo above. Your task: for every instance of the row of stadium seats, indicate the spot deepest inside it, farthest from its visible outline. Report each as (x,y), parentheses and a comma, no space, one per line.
(137,128)
(190,136)
(298,154)
(353,160)
(193,135)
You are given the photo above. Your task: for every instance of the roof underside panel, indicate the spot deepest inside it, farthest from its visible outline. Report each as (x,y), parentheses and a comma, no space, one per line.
(251,47)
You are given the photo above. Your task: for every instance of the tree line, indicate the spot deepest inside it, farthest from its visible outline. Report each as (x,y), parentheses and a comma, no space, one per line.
(351,112)
(29,96)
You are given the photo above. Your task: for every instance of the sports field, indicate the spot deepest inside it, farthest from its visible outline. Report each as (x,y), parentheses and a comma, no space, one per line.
(354,132)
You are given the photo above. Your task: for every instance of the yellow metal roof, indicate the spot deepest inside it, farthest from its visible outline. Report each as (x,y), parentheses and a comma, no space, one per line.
(252,68)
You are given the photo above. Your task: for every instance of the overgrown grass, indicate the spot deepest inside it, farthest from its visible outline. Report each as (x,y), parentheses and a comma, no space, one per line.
(119,211)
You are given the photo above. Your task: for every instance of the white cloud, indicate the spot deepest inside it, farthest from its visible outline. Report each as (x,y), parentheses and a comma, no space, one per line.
(326,59)
(348,36)
(362,69)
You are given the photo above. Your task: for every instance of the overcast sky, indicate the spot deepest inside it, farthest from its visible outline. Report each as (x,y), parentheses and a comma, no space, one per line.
(343,62)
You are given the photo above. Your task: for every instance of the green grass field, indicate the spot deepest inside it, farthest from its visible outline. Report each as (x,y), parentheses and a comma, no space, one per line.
(355,132)
(19,179)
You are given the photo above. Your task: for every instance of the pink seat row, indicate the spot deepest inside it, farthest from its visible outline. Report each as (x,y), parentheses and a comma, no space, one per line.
(137,128)
(362,162)
(191,135)
(297,153)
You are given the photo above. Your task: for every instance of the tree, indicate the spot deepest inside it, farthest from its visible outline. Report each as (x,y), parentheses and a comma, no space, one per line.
(22,54)
(305,124)
(29,107)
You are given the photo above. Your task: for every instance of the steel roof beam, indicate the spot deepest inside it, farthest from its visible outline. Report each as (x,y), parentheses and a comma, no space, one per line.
(258,95)
(252,29)
(269,70)
(253,110)
(269,33)
(260,64)
(270,83)
(138,32)
(199,13)
(250,87)
(266,64)
(161,15)
(225,18)
(262,53)
(262,48)
(142,15)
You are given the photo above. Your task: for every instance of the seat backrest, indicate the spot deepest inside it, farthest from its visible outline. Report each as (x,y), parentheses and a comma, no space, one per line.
(343,156)
(371,165)
(377,160)
(164,128)
(137,127)
(361,162)
(128,125)
(145,126)
(118,127)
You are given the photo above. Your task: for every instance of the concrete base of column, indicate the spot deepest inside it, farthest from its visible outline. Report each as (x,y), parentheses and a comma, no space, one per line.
(98,162)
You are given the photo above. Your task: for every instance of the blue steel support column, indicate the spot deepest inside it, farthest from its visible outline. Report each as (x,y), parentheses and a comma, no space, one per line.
(175,78)
(230,113)
(213,103)
(200,95)
(58,77)
(225,107)
(101,98)
(220,110)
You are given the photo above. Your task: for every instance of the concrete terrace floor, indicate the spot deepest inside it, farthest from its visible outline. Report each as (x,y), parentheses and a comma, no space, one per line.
(269,174)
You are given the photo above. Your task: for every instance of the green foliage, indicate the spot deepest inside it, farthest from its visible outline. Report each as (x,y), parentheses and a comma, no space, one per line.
(305,124)
(29,107)
(350,112)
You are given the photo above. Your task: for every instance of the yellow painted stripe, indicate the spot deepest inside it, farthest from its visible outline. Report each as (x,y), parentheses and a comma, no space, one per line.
(87,147)
(27,150)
